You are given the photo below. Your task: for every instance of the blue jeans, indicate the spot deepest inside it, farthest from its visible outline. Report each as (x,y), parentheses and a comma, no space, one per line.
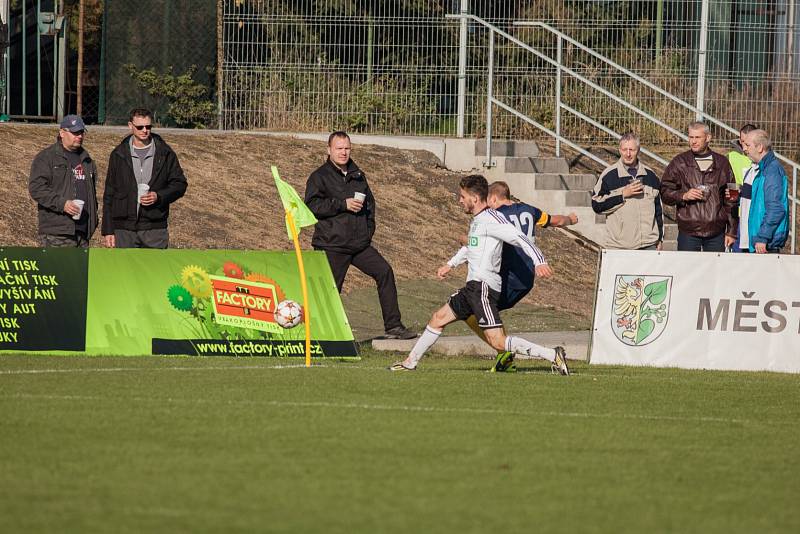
(715,243)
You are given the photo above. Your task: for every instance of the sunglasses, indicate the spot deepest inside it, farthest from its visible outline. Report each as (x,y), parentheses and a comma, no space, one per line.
(143,126)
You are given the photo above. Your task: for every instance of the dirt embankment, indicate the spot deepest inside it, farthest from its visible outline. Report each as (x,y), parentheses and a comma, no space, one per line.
(232,203)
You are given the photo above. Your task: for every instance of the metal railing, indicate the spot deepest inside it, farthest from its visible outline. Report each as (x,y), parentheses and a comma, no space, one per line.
(561,69)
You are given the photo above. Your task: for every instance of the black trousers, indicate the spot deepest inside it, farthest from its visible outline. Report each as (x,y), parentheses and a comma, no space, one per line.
(370,262)
(715,243)
(155,238)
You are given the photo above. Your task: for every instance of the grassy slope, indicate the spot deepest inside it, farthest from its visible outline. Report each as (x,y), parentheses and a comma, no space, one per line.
(201,445)
(232,203)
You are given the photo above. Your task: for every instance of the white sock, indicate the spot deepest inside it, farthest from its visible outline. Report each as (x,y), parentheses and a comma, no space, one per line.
(525,350)
(425,341)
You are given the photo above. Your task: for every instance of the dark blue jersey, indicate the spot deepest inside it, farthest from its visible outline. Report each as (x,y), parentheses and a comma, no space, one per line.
(516,268)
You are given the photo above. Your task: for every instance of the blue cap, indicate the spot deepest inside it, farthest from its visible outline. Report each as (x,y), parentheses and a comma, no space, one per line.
(73,123)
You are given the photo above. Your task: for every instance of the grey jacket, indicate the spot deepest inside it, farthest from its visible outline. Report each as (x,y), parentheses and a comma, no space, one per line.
(51,186)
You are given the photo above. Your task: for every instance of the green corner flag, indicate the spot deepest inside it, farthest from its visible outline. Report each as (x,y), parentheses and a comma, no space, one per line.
(293,204)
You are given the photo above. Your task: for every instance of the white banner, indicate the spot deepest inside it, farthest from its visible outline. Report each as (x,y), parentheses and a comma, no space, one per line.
(698,310)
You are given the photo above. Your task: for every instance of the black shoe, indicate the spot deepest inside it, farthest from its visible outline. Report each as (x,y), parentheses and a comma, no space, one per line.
(399,332)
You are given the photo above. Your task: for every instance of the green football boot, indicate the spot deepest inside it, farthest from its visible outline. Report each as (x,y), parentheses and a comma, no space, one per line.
(504,363)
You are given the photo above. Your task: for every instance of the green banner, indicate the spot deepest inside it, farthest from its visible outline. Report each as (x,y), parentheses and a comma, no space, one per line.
(196,302)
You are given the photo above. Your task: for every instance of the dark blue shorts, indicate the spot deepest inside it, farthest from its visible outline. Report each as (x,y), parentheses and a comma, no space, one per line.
(510,296)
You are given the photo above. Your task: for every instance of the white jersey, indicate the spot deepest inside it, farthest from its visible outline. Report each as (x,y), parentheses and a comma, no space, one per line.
(484,251)
(744,206)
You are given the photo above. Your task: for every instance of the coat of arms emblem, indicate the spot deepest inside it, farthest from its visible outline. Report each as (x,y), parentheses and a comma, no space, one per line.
(640,308)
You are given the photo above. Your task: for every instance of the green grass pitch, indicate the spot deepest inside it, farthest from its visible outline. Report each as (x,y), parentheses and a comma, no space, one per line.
(157,444)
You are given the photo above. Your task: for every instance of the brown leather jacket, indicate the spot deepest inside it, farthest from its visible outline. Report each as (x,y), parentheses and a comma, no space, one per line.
(704,218)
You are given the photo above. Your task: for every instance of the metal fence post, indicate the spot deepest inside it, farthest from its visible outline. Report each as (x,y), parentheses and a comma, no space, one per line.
(6,97)
(24,72)
(462,70)
(701,61)
(790,38)
(101,98)
(558,98)
(489,97)
(39,57)
(220,58)
(60,93)
(794,209)
(79,74)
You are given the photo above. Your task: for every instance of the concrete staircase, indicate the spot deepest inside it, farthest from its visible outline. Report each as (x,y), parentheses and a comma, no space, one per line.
(547,183)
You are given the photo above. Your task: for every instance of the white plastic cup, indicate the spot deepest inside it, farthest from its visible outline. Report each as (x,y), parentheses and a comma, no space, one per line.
(78,202)
(143,190)
(361,197)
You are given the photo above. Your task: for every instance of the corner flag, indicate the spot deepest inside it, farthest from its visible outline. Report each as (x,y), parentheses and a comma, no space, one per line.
(297,216)
(292,203)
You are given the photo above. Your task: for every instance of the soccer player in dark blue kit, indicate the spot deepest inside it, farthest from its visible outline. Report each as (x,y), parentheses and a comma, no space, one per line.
(516,269)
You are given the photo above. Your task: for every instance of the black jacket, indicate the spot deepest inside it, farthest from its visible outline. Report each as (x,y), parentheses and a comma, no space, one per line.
(120,197)
(51,184)
(339,230)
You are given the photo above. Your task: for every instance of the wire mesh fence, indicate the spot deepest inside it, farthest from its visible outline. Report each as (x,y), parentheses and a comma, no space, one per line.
(749,72)
(371,66)
(392,67)
(169,38)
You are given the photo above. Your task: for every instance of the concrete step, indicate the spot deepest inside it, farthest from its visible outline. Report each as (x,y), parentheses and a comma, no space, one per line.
(576,344)
(552,201)
(557,193)
(508,148)
(578,198)
(572,182)
(546,183)
(548,165)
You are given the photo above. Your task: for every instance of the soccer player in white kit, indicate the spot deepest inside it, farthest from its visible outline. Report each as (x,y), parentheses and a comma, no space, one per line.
(483,253)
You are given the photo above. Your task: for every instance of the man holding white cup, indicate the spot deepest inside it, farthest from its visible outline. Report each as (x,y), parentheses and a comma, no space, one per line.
(695,182)
(628,194)
(63,183)
(144,178)
(340,198)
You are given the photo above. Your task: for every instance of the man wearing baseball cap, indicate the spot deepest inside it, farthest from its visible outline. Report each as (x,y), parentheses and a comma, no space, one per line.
(63,183)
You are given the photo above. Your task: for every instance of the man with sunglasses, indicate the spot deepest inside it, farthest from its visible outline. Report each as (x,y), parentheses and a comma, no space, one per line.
(63,184)
(144,178)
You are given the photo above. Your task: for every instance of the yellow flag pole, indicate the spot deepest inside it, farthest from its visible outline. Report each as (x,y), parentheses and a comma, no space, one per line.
(306,314)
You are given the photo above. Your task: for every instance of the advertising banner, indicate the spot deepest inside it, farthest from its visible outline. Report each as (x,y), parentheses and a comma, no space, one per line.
(43,299)
(698,311)
(195,302)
